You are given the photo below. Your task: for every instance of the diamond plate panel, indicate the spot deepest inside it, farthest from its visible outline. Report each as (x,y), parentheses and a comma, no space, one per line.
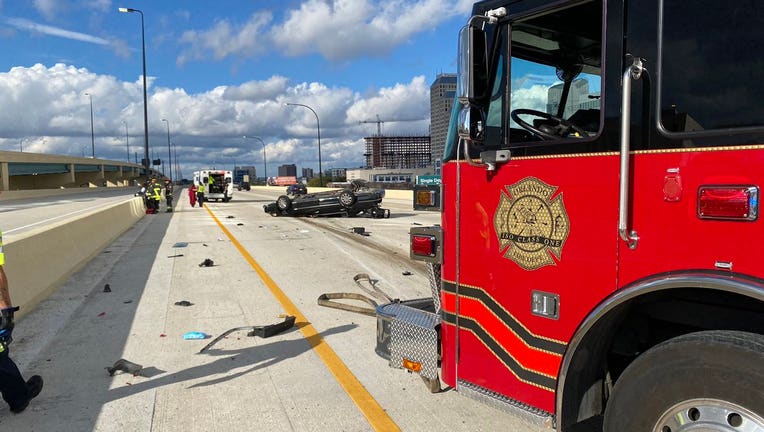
(434,276)
(413,335)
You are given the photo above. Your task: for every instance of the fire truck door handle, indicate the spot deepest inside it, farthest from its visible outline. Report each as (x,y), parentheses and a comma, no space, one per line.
(633,72)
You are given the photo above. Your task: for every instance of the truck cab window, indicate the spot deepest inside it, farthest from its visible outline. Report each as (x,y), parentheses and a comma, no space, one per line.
(710,62)
(555,76)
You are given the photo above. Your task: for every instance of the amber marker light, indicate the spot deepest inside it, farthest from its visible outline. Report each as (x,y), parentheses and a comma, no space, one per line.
(412,365)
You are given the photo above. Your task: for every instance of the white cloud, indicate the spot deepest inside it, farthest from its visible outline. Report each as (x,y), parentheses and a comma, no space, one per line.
(225,39)
(48,109)
(31,26)
(49,8)
(335,29)
(255,90)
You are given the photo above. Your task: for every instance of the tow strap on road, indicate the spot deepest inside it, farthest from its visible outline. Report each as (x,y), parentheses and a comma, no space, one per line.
(372,290)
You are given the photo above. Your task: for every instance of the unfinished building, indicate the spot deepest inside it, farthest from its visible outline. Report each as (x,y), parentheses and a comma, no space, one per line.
(406,152)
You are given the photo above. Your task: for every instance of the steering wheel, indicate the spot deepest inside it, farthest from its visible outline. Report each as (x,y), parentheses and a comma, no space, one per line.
(560,129)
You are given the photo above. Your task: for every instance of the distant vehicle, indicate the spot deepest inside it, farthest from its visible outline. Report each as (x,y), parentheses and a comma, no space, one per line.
(218,184)
(296,189)
(244,183)
(353,201)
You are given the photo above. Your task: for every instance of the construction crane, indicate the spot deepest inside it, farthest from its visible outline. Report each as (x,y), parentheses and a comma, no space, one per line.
(378,122)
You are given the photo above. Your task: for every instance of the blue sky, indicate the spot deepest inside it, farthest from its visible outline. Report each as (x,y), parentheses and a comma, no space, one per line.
(220,70)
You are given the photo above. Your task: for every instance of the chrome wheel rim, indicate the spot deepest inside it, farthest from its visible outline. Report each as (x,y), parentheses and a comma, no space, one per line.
(712,415)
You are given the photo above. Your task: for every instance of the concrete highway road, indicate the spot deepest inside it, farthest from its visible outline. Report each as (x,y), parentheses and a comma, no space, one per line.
(323,375)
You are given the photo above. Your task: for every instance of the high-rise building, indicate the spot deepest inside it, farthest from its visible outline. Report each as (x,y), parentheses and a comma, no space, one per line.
(288,170)
(442,94)
(578,98)
(398,152)
(307,173)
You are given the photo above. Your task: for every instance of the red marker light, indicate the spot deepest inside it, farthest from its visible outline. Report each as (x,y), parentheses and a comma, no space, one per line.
(728,202)
(423,245)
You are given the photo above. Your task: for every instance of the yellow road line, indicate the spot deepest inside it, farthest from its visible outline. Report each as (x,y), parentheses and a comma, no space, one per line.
(377,417)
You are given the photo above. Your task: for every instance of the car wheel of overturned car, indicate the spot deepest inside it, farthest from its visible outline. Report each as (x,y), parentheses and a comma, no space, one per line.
(284,203)
(347,198)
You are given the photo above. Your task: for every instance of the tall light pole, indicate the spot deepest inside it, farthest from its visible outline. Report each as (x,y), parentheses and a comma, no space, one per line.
(169,152)
(177,167)
(127,141)
(318,124)
(145,104)
(265,164)
(92,130)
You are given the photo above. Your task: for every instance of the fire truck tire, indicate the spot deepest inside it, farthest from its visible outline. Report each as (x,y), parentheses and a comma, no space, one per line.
(284,203)
(708,380)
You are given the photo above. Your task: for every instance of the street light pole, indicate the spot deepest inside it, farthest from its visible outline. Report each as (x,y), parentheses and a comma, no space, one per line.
(92,130)
(318,124)
(169,152)
(127,141)
(265,164)
(145,104)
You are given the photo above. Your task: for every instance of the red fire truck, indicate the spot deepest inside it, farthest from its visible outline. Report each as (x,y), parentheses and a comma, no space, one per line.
(599,259)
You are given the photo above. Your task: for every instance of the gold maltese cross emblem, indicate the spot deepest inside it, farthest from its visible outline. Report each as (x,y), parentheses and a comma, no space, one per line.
(531,225)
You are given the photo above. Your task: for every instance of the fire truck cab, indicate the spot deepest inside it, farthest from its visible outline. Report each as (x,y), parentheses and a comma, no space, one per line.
(598,261)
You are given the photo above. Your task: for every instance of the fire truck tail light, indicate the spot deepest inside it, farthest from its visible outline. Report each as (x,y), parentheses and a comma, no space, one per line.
(728,202)
(412,365)
(423,245)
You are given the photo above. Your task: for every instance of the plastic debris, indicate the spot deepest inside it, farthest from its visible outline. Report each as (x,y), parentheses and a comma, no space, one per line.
(106,288)
(175,256)
(180,244)
(195,335)
(407,273)
(207,263)
(125,366)
(183,303)
(230,217)
(239,224)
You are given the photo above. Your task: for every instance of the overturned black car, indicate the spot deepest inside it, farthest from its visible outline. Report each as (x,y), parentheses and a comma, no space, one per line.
(353,201)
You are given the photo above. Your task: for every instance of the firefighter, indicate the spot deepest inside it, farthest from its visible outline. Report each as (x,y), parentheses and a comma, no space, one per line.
(155,194)
(16,392)
(200,191)
(168,194)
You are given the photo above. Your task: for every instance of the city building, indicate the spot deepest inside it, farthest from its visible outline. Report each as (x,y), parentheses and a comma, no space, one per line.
(442,94)
(578,98)
(288,170)
(307,173)
(387,175)
(338,172)
(398,152)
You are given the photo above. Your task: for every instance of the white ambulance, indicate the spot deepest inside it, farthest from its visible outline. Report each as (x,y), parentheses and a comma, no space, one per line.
(218,184)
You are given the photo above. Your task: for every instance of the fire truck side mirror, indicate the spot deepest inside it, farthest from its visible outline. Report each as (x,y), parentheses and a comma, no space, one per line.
(472,78)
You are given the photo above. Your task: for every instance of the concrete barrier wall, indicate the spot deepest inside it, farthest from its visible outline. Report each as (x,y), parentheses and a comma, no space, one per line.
(38,262)
(42,193)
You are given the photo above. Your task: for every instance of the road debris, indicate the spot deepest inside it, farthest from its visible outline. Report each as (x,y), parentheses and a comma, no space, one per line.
(264,331)
(125,366)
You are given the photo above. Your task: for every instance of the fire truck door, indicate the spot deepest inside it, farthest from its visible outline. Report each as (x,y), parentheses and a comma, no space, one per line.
(537,238)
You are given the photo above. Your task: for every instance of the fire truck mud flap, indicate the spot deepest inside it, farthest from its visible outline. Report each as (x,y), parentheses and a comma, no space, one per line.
(408,337)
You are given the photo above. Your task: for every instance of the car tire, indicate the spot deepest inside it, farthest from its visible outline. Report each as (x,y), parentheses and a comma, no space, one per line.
(347,198)
(708,380)
(284,203)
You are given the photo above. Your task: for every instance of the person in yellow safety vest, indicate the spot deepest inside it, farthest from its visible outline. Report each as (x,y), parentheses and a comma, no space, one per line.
(200,191)
(15,391)
(155,192)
